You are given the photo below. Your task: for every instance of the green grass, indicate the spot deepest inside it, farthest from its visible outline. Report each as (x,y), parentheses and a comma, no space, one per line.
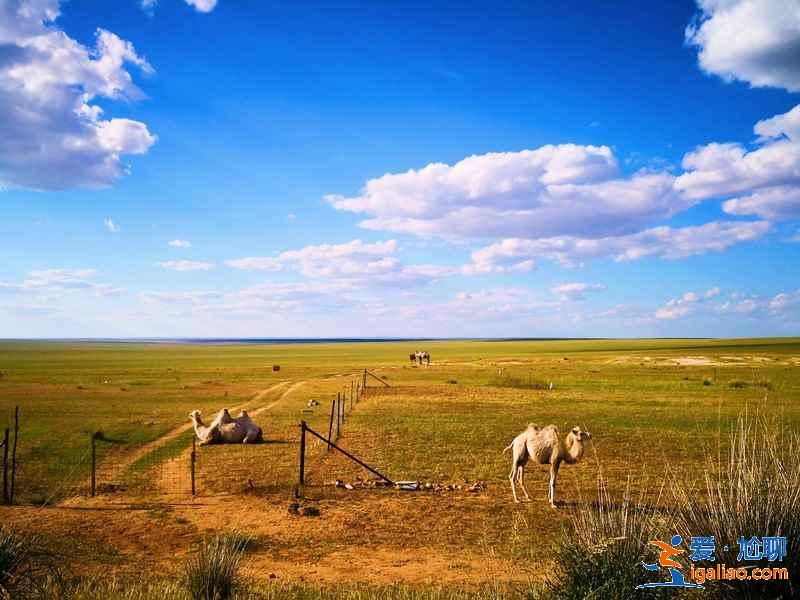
(445,423)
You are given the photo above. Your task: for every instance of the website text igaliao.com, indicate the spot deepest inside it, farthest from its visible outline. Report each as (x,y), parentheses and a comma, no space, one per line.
(721,572)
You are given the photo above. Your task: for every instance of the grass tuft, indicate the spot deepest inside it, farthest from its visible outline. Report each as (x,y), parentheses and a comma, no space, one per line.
(599,553)
(754,490)
(16,553)
(213,572)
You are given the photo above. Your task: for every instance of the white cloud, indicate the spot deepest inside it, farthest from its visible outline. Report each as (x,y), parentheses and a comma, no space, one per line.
(661,242)
(756,41)
(180,243)
(255,263)
(690,297)
(786,125)
(53,283)
(553,190)
(187,265)
(179,297)
(355,261)
(671,312)
(769,175)
(54,133)
(202,5)
(777,203)
(291,217)
(110,225)
(576,290)
(712,292)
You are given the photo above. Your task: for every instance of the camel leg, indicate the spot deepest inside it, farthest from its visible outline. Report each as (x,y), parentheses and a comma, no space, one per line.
(522,484)
(553,478)
(511,478)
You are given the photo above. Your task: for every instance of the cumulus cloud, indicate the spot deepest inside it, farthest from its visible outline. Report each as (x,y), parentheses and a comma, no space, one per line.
(755,41)
(768,176)
(712,292)
(678,307)
(187,265)
(576,290)
(777,203)
(54,132)
(354,260)
(786,125)
(180,243)
(553,190)
(662,242)
(110,225)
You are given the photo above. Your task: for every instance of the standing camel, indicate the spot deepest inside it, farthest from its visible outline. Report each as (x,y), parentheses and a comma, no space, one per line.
(544,447)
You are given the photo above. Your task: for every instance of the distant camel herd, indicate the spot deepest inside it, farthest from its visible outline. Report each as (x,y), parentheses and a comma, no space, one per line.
(420,356)
(542,445)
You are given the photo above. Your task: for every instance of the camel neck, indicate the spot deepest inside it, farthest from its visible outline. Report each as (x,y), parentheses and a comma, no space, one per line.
(574,449)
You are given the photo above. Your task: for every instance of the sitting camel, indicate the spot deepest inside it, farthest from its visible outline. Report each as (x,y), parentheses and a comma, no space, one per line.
(206,434)
(544,447)
(242,429)
(224,429)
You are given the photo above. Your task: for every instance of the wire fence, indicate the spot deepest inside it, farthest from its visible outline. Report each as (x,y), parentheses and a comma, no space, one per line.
(174,464)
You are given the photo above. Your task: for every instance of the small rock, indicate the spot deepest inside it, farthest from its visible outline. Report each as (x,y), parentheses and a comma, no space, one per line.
(273,576)
(294,508)
(349,486)
(309,511)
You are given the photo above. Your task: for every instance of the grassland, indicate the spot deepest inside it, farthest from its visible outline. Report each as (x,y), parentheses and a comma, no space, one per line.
(656,408)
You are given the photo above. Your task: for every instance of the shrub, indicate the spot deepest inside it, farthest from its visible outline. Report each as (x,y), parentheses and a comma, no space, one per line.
(16,554)
(707,381)
(754,490)
(212,573)
(452,381)
(599,553)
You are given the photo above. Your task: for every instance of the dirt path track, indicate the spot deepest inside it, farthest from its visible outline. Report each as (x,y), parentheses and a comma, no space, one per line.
(121,464)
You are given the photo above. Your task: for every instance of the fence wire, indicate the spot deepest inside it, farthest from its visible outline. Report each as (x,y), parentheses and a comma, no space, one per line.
(86,461)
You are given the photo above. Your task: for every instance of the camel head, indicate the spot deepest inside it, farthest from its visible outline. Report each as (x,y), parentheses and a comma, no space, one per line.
(195,416)
(579,435)
(243,413)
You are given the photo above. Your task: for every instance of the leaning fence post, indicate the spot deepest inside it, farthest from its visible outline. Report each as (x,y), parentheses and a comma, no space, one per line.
(14,456)
(5,467)
(93,478)
(330,425)
(302,478)
(352,389)
(194,460)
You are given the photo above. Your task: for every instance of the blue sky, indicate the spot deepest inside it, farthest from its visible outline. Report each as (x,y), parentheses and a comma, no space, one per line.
(202,168)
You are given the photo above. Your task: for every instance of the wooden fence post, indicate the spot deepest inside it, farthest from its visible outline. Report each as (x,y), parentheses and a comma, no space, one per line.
(330,425)
(364,382)
(193,463)
(352,389)
(14,456)
(93,479)
(302,477)
(338,413)
(5,467)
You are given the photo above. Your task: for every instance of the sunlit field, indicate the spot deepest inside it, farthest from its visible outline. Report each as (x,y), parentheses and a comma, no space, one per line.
(657,410)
